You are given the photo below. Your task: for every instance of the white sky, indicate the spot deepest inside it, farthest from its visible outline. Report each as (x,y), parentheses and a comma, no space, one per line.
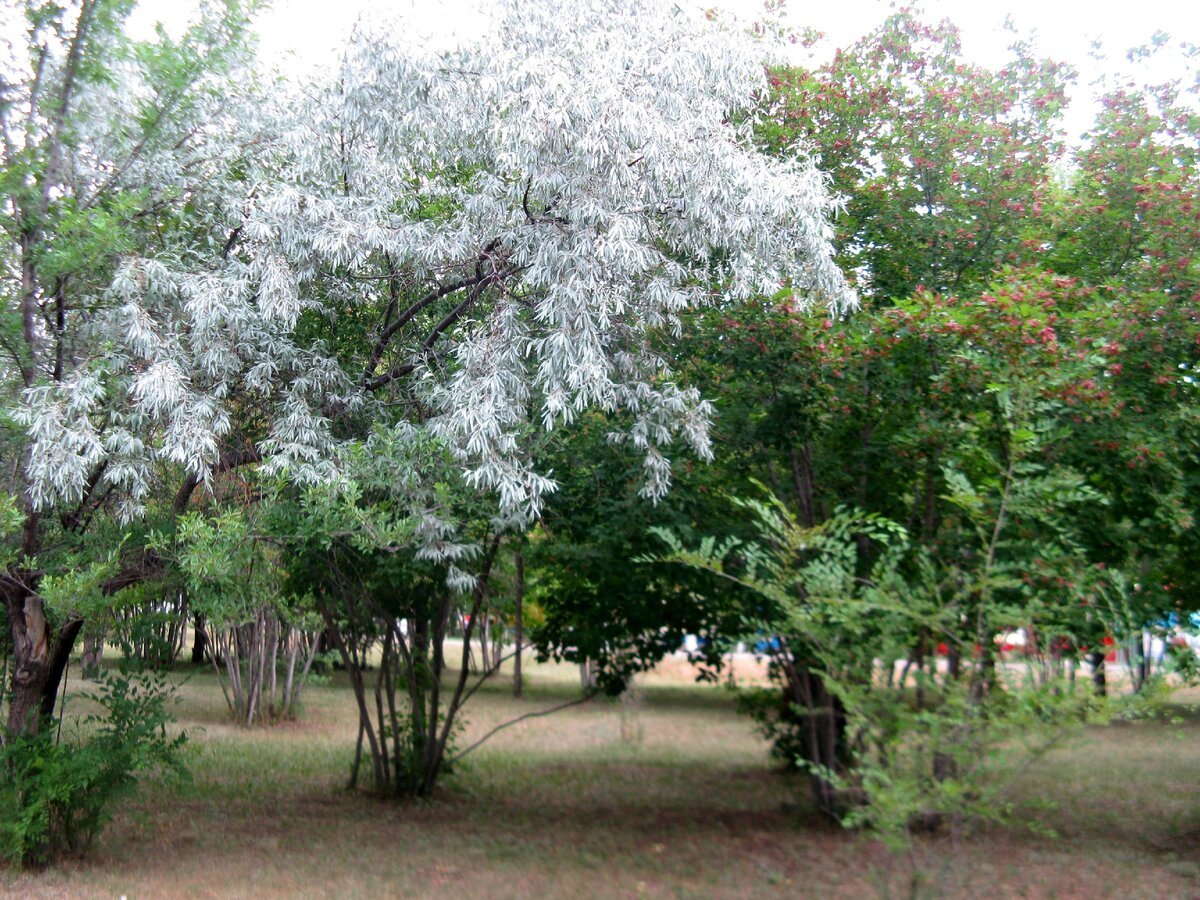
(304,33)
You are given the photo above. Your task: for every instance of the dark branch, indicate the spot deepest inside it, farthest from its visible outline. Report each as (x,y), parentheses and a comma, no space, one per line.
(70,84)
(545,217)
(532,715)
(149,563)
(525,201)
(145,565)
(495,667)
(60,325)
(439,329)
(230,242)
(71,521)
(230,460)
(407,316)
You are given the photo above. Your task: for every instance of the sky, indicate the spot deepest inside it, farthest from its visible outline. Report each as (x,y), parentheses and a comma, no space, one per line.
(302,33)
(1064,28)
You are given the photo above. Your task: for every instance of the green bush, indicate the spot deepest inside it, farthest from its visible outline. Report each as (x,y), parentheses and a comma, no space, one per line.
(55,797)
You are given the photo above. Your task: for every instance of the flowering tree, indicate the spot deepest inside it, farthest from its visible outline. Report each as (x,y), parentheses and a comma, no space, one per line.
(944,162)
(459,242)
(1128,222)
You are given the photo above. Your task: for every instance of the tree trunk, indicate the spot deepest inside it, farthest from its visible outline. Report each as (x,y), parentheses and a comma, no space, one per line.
(485,643)
(1143,663)
(802,483)
(39,659)
(984,677)
(199,641)
(821,725)
(93,652)
(1099,677)
(632,731)
(59,660)
(31,657)
(953,661)
(519,621)
(587,679)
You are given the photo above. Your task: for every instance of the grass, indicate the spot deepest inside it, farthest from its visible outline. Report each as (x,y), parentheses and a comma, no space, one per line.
(563,806)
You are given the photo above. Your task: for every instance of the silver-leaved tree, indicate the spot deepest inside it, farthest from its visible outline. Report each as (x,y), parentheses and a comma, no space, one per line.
(120,160)
(466,242)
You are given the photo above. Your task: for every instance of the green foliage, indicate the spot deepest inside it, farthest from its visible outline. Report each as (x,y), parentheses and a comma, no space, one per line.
(1183,662)
(1130,217)
(233,571)
(597,603)
(948,763)
(1039,394)
(78,589)
(386,555)
(10,515)
(839,603)
(56,797)
(112,150)
(147,628)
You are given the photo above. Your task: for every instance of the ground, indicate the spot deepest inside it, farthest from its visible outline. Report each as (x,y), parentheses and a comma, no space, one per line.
(566,805)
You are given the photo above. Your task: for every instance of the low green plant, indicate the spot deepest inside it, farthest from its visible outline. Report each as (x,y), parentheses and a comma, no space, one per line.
(937,746)
(56,796)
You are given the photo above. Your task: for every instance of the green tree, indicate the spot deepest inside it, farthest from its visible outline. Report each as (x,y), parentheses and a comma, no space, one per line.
(392,565)
(598,606)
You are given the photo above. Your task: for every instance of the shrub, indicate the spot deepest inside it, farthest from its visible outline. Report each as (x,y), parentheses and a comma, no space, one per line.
(55,797)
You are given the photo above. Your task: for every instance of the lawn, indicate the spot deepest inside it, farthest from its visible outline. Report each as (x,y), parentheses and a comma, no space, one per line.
(568,805)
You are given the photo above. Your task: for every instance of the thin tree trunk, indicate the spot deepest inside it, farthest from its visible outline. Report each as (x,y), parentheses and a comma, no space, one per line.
(364,716)
(432,758)
(498,632)
(519,620)
(485,643)
(293,651)
(221,681)
(354,767)
(1099,676)
(953,661)
(275,626)
(1143,663)
(822,732)
(984,675)
(199,640)
(453,706)
(387,670)
(233,668)
(396,762)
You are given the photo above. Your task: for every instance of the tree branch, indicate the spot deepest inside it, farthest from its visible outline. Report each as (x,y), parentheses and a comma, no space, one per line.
(149,563)
(407,316)
(71,520)
(495,667)
(438,330)
(69,83)
(481,588)
(228,461)
(532,715)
